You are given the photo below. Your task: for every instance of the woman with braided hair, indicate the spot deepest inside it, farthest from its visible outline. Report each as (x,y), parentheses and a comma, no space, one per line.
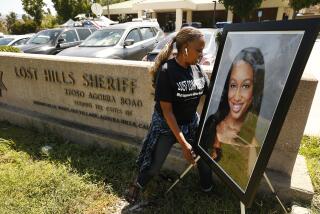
(179,83)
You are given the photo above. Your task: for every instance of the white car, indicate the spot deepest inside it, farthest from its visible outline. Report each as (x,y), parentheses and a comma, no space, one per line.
(209,51)
(15,40)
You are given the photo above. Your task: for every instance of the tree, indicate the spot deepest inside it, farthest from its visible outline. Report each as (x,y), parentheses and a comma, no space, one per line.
(49,21)
(11,19)
(105,2)
(34,9)
(67,9)
(25,17)
(300,4)
(242,8)
(29,26)
(3,28)
(48,11)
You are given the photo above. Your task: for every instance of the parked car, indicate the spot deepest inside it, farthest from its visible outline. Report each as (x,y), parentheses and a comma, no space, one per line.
(131,40)
(192,24)
(52,41)
(222,24)
(209,51)
(14,40)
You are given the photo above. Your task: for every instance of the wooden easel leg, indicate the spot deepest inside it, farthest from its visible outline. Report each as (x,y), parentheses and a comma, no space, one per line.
(274,192)
(242,208)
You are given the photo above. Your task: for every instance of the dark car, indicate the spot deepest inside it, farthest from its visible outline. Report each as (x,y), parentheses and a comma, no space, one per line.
(209,51)
(131,40)
(192,24)
(52,41)
(222,24)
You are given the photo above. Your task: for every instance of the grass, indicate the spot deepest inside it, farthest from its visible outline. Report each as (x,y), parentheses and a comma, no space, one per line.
(310,148)
(74,178)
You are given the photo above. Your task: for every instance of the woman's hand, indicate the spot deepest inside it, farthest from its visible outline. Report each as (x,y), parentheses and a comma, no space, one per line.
(167,111)
(188,153)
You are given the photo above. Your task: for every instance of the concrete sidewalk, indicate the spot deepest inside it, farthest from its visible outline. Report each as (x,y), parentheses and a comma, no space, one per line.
(313,67)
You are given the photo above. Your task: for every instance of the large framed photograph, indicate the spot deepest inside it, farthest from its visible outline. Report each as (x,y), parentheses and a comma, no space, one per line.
(256,73)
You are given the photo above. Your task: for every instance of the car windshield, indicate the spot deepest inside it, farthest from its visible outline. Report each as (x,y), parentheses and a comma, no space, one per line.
(166,40)
(5,41)
(106,37)
(207,38)
(45,37)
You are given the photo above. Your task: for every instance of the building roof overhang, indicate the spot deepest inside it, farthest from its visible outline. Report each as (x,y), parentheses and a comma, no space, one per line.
(165,5)
(133,6)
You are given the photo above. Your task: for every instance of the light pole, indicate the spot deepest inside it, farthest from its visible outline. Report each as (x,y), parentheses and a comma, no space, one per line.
(259,15)
(108,9)
(214,12)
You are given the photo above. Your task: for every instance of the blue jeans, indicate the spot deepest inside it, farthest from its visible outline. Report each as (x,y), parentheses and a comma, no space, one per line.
(161,151)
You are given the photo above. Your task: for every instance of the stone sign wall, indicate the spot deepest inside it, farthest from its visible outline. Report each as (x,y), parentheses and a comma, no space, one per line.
(116,97)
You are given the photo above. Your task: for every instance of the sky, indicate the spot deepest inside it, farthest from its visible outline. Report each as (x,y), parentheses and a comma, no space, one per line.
(7,6)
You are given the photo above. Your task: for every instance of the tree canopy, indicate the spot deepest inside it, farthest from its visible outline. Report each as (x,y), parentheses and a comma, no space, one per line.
(300,4)
(11,18)
(68,9)
(34,9)
(242,8)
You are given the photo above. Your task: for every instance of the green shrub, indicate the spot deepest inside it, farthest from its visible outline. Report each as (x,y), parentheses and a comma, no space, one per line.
(49,21)
(29,26)
(219,38)
(9,49)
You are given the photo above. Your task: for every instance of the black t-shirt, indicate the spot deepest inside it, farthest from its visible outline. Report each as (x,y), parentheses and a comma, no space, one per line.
(182,87)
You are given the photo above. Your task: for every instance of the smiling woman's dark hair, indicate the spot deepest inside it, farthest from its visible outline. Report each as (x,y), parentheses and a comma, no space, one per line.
(254,58)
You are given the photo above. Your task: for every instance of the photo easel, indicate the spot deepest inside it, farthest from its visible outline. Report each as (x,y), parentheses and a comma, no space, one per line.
(243,208)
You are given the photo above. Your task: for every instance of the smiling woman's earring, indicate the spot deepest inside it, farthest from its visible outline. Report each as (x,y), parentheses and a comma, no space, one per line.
(186,51)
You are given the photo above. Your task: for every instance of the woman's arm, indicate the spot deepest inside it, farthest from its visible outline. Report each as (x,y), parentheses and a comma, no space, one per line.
(173,125)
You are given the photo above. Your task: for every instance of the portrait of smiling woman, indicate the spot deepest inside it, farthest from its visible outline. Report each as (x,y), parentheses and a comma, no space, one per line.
(230,132)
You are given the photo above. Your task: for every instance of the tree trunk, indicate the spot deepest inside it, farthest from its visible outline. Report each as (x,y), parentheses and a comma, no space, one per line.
(108,9)
(295,14)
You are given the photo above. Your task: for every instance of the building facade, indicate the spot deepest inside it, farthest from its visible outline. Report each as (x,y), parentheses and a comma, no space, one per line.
(172,13)
(312,12)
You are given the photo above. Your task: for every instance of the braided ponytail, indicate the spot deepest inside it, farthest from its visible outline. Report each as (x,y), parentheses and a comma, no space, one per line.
(160,59)
(185,35)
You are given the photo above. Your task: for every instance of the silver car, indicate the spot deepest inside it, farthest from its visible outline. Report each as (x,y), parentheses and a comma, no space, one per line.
(131,40)
(209,51)
(14,40)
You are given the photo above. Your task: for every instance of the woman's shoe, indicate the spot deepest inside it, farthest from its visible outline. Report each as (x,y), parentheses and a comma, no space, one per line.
(207,190)
(132,193)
